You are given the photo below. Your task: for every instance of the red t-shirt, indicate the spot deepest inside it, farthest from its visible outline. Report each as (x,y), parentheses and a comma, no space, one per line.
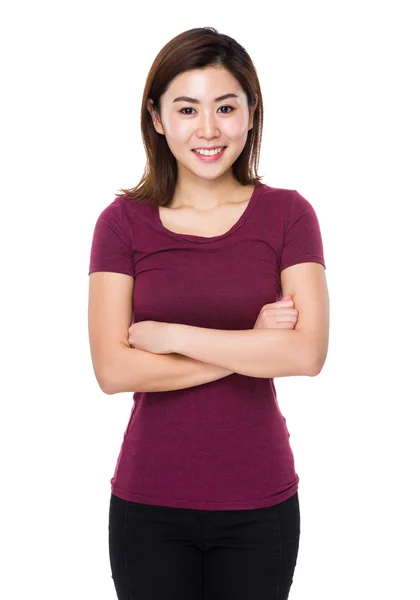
(224,444)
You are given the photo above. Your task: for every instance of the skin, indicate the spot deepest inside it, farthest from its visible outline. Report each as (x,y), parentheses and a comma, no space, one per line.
(162,338)
(201,185)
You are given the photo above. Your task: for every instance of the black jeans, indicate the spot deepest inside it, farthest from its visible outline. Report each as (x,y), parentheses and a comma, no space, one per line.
(166,553)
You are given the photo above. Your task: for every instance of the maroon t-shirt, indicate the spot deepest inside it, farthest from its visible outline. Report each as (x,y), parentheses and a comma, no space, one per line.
(225,444)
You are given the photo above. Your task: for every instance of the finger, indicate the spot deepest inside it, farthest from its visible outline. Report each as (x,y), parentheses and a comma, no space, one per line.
(284,319)
(288,312)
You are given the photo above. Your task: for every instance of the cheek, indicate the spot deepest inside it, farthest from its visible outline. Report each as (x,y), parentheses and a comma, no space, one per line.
(235,129)
(177,129)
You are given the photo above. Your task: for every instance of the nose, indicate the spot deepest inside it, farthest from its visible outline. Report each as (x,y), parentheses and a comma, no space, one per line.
(207,125)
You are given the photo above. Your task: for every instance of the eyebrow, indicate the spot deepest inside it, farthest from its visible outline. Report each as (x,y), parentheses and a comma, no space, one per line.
(195,101)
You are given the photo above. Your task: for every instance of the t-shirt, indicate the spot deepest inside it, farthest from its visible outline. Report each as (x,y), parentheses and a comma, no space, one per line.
(222,445)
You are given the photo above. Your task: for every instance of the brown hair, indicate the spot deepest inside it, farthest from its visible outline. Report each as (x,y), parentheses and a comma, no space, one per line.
(194,49)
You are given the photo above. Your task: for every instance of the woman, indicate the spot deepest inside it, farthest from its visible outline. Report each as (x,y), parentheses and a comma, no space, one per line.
(186,272)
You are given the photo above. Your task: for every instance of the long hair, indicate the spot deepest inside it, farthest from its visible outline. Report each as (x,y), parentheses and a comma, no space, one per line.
(194,49)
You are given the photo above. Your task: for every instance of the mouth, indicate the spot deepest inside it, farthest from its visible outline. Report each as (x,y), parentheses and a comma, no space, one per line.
(210,157)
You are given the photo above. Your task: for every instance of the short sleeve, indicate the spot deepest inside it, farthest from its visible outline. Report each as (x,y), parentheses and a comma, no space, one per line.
(302,237)
(111,247)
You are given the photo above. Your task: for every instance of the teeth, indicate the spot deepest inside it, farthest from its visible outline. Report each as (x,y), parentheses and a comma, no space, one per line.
(210,152)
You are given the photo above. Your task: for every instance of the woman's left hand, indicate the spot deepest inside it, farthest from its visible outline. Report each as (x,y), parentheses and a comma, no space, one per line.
(151,336)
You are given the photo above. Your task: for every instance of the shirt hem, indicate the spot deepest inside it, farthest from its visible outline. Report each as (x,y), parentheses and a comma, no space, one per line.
(203,505)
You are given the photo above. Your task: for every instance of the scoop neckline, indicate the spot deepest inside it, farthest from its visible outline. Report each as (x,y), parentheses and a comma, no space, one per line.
(200,239)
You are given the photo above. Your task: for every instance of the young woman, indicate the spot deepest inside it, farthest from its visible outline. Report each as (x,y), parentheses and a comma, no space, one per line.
(205,285)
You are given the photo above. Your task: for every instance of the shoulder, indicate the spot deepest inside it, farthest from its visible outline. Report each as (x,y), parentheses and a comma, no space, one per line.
(292,205)
(122,209)
(276,193)
(112,212)
(278,201)
(287,197)
(277,197)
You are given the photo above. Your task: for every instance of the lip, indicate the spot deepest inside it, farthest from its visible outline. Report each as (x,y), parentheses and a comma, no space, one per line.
(209,158)
(209,147)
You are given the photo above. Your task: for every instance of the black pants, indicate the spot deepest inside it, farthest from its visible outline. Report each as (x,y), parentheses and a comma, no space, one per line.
(166,553)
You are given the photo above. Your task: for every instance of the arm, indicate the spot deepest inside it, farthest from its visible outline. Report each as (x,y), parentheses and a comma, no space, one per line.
(120,368)
(265,353)
(139,371)
(270,352)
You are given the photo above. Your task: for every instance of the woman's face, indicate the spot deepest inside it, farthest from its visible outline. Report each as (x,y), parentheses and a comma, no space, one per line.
(202,121)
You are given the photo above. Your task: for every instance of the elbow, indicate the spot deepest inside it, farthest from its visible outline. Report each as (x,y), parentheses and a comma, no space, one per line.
(101,380)
(109,376)
(316,365)
(112,365)
(314,370)
(106,383)
(106,387)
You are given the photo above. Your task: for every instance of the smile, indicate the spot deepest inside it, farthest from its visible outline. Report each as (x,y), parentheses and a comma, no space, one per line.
(211,155)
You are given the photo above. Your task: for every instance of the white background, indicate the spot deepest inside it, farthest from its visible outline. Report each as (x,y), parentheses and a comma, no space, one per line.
(340,90)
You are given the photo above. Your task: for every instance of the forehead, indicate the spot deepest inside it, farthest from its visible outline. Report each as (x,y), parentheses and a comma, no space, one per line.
(204,84)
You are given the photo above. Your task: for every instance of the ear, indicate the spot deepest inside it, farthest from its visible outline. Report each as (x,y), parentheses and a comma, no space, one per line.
(155,117)
(251,113)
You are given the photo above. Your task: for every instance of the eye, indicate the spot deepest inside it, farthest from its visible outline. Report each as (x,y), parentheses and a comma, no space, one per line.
(191,108)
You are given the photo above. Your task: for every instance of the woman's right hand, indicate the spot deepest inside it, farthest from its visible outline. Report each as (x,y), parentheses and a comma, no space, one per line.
(278,315)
